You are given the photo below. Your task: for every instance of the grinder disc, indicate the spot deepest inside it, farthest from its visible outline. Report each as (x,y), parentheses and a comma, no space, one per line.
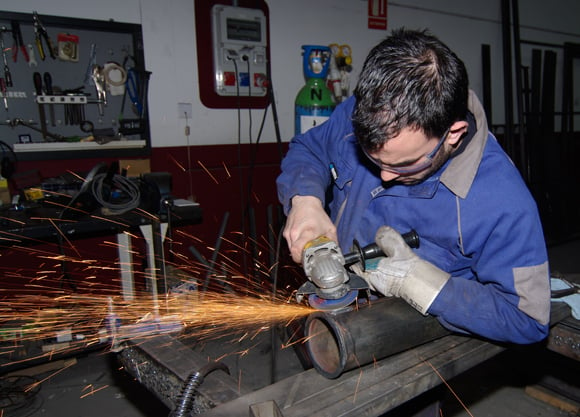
(332,304)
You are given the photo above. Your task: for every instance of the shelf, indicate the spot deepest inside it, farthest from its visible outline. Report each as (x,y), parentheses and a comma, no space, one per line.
(45,99)
(78,146)
(74,98)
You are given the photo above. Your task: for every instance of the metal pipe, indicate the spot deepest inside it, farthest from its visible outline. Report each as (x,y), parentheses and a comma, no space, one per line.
(338,342)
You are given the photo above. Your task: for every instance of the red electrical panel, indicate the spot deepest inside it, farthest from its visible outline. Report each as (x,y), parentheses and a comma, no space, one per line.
(233,53)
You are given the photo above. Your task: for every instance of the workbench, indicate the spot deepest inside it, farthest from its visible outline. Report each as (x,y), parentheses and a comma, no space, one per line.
(565,335)
(44,223)
(370,390)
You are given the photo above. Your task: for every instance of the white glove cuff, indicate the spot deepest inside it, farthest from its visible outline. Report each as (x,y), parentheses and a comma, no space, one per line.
(422,285)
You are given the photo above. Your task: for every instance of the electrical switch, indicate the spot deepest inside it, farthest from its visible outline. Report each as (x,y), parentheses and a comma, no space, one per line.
(259,58)
(244,79)
(229,78)
(260,80)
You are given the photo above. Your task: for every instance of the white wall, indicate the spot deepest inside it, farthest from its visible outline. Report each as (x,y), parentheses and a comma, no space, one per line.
(170,52)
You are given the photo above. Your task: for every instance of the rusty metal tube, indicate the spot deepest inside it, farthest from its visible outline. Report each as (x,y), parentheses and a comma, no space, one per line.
(338,342)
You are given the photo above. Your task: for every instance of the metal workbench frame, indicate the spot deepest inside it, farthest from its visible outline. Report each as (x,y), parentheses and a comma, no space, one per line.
(371,390)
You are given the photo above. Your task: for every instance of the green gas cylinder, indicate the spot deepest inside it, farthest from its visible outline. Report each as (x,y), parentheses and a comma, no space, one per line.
(314,103)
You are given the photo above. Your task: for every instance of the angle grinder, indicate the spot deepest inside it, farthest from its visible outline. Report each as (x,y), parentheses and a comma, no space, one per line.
(330,285)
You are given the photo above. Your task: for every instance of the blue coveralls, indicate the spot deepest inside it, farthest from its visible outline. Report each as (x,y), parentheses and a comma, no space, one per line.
(475,217)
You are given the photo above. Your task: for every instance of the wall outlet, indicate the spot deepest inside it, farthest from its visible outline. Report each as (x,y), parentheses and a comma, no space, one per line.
(184,110)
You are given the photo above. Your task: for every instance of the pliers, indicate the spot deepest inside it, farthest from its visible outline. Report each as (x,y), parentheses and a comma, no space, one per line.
(18,43)
(40,33)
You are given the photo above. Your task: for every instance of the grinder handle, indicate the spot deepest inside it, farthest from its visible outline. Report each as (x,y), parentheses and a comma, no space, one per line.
(373,250)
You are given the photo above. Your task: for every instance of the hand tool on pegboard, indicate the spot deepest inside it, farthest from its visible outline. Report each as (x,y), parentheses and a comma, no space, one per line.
(31,55)
(37,79)
(7,75)
(49,92)
(41,34)
(3,90)
(18,42)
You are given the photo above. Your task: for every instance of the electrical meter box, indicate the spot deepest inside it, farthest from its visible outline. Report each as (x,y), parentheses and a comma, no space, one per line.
(239,45)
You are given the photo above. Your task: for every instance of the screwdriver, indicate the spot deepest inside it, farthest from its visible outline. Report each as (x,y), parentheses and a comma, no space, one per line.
(37,78)
(48,84)
(7,75)
(3,90)
(49,92)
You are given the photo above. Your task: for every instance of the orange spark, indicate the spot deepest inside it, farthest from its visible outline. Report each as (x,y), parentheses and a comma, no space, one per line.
(35,384)
(449,387)
(207,171)
(179,165)
(226,168)
(64,237)
(12,220)
(94,391)
(109,220)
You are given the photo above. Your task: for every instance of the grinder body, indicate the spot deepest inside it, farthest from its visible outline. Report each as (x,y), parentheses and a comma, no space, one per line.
(330,285)
(324,266)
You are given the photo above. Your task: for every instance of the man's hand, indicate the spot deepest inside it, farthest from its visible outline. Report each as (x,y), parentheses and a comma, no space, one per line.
(403,274)
(306,220)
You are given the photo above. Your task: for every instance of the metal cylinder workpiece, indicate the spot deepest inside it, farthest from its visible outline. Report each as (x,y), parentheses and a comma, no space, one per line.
(340,341)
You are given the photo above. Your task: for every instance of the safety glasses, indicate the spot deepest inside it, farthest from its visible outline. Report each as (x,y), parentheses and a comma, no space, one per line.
(414,168)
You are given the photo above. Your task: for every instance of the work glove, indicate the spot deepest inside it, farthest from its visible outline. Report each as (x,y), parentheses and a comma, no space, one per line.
(401,273)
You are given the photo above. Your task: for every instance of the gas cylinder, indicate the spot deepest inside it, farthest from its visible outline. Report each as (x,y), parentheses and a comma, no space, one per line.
(314,103)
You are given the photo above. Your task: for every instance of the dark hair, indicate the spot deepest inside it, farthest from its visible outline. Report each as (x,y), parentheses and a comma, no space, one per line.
(410,79)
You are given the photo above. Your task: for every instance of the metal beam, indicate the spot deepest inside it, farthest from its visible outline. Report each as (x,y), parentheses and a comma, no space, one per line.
(507,78)
(371,390)
(162,364)
(376,388)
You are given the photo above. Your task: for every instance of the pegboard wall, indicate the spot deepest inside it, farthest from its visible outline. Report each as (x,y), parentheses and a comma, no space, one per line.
(84,53)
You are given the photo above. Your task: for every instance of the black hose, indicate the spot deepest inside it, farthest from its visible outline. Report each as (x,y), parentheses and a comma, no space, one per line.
(194,380)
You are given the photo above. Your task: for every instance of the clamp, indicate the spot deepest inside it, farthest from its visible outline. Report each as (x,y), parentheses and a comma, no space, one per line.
(39,34)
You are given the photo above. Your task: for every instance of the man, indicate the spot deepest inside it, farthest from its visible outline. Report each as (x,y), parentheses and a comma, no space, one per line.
(411,150)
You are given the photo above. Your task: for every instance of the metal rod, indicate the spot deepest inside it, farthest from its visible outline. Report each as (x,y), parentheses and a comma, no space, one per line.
(523,160)
(486,78)
(507,78)
(534,123)
(216,250)
(338,342)
(548,94)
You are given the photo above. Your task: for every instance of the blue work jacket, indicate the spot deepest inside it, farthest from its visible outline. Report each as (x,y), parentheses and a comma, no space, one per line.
(475,217)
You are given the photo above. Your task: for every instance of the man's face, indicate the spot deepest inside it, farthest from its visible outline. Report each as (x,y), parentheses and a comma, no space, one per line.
(410,157)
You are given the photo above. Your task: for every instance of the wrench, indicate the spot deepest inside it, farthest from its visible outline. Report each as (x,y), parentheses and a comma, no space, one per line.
(32,58)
